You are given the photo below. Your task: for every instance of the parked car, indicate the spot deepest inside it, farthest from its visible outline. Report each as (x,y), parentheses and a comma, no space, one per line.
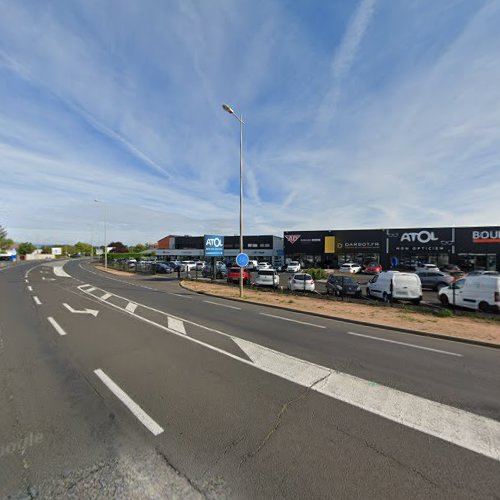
(427,267)
(450,267)
(233,276)
(342,285)
(483,273)
(162,267)
(434,279)
(252,265)
(473,292)
(293,267)
(301,282)
(220,271)
(373,268)
(267,277)
(190,265)
(350,267)
(200,265)
(395,285)
(263,265)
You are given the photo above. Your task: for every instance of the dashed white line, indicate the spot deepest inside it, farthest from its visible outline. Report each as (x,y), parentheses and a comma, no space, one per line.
(131,307)
(180,295)
(293,320)
(222,305)
(56,326)
(138,412)
(37,300)
(106,296)
(91,289)
(406,344)
(30,288)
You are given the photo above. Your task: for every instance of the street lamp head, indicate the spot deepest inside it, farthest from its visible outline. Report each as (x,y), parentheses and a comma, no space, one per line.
(225,107)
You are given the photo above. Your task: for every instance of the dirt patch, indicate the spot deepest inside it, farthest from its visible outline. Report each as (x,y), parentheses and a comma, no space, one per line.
(485,330)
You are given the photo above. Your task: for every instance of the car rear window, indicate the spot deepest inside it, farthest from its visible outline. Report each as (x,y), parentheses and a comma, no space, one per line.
(406,279)
(301,277)
(234,270)
(266,273)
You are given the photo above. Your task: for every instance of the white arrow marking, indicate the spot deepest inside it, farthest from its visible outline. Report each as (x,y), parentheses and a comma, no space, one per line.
(85,311)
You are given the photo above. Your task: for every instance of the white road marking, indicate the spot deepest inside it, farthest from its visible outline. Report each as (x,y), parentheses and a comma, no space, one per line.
(293,320)
(91,289)
(406,344)
(83,311)
(106,296)
(37,300)
(139,413)
(180,295)
(59,271)
(56,326)
(30,288)
(131,307)
(176,324)
(222,305)
(48,279)
(473,432)
(26,281)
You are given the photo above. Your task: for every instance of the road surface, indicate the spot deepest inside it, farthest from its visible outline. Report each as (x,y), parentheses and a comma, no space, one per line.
(133,387)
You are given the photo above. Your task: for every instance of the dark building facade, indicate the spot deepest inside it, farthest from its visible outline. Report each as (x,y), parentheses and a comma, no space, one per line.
(471,248)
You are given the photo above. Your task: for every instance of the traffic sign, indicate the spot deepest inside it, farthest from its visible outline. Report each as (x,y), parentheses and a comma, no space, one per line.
(242,259)
(394,261)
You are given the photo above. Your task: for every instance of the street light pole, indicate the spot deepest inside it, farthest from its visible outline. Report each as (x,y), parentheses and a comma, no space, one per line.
(240,119)
(105,236)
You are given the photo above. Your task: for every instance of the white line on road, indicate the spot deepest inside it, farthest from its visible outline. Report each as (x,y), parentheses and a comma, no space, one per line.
(106,296)
(56,326)
(89,290)
(37,300)
(94,312)
(176,325)
(406,344)
(294,320)
(131,307)
(183,296)
(222,305)
(26,281)
(30,288)
(59,271)
(139,413)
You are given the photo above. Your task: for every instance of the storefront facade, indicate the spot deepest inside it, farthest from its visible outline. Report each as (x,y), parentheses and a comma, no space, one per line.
(267,248)
(471,248)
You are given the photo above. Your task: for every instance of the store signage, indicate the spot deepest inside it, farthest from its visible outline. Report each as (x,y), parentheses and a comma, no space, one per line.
(486,236)
(56,251)
(418,240)
(422,236)
(214,245)
(292,238)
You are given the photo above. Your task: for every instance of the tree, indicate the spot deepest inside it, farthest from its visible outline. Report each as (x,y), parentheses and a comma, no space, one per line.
(118,247)
(46,249)
(25,248)
(83,248)
(138,248)
(4,241)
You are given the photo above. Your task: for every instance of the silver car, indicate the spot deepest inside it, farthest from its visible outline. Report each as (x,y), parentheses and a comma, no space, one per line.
(435,279)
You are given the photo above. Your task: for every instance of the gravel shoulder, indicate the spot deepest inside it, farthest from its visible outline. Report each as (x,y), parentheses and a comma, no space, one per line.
(479,329)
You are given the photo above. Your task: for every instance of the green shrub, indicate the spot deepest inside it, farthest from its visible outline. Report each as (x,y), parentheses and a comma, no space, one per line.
(317,274)
(444,313)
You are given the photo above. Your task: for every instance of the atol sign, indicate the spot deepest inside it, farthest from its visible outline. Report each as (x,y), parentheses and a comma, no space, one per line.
(421,240)
(490,236)
(214,245)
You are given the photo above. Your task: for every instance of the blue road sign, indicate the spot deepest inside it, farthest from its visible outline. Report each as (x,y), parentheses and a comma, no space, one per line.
(394,261)
(214,246)
(242,259)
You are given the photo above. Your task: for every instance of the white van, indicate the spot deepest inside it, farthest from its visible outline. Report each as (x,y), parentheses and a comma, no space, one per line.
(395,285)
(474,292)
(252,265)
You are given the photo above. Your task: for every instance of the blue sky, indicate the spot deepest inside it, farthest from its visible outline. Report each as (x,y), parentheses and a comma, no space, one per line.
(359,114)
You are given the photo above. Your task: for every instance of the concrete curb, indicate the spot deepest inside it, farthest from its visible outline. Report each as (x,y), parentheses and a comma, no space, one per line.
(353,321)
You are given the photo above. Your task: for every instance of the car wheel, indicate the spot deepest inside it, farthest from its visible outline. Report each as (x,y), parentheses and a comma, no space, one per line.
(444,300)
(368,292)
(484,306)
(385,298)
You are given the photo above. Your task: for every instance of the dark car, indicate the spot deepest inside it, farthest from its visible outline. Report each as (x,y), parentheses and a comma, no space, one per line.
(434,280)
(163,267)
(342,285)
(220,272)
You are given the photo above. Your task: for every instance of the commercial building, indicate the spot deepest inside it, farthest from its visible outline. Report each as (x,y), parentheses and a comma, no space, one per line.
(471,248)
(267,248)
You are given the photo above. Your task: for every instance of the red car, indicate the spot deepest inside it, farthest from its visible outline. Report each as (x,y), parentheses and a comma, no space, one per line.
(233,275)
(373,268)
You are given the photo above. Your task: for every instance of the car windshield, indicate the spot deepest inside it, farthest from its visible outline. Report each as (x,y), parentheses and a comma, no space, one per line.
(302,277)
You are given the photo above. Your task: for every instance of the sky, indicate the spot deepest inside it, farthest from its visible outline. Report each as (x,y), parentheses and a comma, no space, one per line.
(358,114)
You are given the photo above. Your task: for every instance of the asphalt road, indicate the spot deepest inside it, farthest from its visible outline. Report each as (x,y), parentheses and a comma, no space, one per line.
(137,388)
